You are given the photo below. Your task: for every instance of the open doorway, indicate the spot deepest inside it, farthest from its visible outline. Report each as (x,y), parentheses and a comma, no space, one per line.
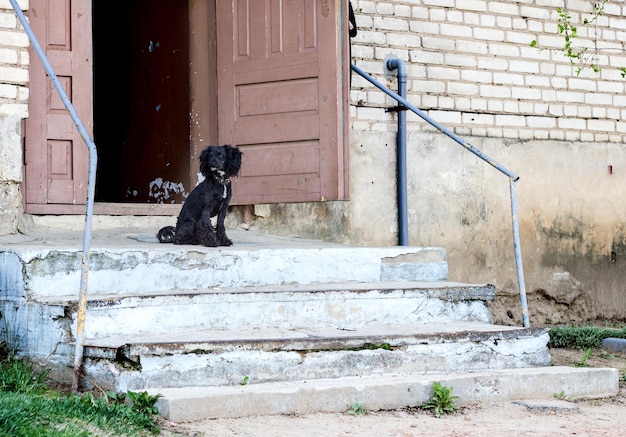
(153,91)
(141,101)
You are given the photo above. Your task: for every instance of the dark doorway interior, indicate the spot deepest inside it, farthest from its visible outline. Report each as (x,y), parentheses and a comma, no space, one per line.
(141,100)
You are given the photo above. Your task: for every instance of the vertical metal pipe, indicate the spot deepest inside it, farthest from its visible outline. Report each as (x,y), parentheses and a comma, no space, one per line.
(91,189)
(401,177)
(518,255)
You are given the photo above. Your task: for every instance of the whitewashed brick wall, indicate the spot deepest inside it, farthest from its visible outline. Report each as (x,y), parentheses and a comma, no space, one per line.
(14,62)
(471,66)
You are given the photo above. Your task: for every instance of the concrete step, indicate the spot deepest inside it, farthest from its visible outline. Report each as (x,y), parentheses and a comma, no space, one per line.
(385,391)
(279,311)
(288,306)
(220,358)
(137,263)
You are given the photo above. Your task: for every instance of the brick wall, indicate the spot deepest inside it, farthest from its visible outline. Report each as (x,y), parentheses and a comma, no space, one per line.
(471,67)
(14,62)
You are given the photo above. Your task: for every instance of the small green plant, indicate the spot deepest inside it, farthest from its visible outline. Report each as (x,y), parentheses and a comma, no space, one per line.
(371,346)
(116,398)
(245,381)
(442,402)
(142,402)
(606,355)
(560,396)
(583,360)
(357,409)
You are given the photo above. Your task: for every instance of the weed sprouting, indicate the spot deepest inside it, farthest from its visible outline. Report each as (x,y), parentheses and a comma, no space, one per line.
(607,355)
(143,403)
(357,409)
(116,398)
(583,360)
(442,401)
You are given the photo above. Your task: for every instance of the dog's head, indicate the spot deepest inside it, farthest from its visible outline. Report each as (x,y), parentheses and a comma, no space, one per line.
(224,161)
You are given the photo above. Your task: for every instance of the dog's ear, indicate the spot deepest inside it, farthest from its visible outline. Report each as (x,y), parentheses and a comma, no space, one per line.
(233,160)
(205,166)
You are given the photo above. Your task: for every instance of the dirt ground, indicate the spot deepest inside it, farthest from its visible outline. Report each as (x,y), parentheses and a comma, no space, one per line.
(593,417)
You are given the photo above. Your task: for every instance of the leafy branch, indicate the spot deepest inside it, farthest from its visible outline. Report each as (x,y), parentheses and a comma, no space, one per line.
(580,57)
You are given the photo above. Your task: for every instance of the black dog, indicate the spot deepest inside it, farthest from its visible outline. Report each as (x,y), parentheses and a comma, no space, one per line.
(209,199)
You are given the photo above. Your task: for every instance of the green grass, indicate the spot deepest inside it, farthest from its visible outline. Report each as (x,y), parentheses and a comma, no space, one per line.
(29,408)
(61,415)
(582,337)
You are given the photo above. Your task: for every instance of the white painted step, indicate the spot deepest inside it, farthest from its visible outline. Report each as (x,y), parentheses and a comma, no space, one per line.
(137,264)
(288,306)
(382,392)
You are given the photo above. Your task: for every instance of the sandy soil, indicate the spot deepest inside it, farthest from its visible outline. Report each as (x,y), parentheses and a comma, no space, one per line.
(595,417)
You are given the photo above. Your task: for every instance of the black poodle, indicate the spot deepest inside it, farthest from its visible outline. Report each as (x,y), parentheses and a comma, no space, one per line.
(209,199)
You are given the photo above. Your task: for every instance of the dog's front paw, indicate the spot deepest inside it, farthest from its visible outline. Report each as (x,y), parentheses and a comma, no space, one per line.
(222,239)
(166,234)
(208,239)
(225,241)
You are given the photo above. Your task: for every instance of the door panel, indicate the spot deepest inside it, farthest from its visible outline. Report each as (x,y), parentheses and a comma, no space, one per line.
(55,154)
(281,97)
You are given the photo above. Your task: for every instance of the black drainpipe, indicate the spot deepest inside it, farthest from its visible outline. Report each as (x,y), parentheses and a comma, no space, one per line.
(403,221)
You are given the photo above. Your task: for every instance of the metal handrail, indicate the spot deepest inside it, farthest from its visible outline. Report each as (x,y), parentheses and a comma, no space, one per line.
(91,189)
(392,64)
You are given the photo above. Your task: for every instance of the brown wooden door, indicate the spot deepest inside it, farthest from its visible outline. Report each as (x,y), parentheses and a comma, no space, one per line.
(56,156)
(282,95)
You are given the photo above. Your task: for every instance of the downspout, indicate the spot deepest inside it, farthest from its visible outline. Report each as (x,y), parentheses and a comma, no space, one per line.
(401,177)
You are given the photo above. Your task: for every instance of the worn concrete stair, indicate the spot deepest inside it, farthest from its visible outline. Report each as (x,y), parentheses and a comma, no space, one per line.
(129,264)
(299,321)
(341,305)
(385,391)
(217,358)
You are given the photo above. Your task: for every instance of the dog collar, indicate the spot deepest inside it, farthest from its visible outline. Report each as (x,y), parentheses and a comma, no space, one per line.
(224,182)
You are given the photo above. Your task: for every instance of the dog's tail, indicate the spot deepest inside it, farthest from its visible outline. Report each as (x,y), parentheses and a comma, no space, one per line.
(166,234)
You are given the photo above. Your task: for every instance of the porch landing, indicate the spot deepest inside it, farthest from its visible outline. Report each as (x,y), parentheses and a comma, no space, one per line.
(270,325)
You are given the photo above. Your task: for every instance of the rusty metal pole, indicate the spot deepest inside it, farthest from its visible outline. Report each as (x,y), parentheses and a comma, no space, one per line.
(91,189)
